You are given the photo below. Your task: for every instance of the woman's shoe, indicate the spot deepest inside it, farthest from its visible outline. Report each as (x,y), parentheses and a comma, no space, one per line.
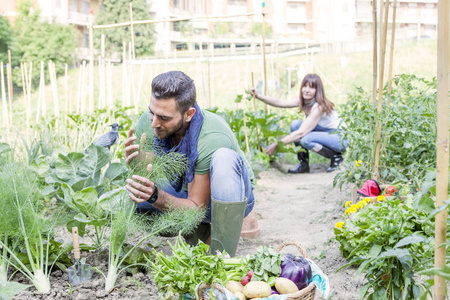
(303,166)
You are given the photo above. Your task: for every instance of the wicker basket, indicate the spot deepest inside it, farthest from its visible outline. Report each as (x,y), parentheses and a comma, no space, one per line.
(309,292)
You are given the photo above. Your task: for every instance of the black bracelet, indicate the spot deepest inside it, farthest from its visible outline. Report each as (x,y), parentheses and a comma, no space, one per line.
(154,196)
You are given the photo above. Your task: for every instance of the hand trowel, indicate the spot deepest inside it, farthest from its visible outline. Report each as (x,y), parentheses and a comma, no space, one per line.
(80,271)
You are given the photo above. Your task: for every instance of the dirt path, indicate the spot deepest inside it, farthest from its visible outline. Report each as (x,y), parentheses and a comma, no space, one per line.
(302,208)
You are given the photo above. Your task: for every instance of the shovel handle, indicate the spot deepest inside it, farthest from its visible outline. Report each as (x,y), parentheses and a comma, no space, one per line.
(76,243)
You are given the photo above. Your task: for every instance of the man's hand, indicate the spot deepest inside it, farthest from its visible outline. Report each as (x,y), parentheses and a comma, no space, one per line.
(131,150)
(140,188)
(271,148)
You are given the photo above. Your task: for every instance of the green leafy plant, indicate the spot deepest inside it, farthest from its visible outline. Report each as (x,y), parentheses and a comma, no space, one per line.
(389,242)
(28,226)
(408,124)
(187,267)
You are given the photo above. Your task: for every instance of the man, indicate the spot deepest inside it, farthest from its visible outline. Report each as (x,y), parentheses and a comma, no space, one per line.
(218,176)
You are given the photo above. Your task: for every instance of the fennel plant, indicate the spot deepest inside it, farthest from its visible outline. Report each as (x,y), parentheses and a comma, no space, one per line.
(29,228)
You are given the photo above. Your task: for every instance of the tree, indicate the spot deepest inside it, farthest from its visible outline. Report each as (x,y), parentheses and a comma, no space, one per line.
(118,11)
(5,39)
(36,41)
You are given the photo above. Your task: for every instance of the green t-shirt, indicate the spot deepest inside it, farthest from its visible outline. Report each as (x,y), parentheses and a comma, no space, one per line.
(214,134)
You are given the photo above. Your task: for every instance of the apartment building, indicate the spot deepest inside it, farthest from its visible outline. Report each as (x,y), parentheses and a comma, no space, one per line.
(74,12)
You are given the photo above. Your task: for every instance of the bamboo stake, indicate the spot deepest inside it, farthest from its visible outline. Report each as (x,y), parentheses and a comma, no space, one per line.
(28,88)
(91,61)
(4,104)
(51,69)
(383,23)
(133,55)
(44,100)
(375,54)
(83,89)
(68,106)
(254,107)
(38,110)
(442,144)
(131,85)
(141,78)
(78,104)
(124,75)
(24,89)
(10,86)
(391,57)
(101,73)
(109,85)
(264,54)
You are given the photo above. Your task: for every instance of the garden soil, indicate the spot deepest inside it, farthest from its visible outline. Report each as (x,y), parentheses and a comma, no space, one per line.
(297,208)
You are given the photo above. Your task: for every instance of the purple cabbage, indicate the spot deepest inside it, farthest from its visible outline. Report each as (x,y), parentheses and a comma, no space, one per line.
(297,269)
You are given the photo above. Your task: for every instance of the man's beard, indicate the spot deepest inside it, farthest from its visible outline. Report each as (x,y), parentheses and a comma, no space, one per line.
(171,132)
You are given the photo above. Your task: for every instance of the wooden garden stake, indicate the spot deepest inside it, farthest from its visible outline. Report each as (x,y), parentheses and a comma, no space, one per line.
(78,104)
(51,71)
(42,87)
(68,106)
(109,85)
(5,116)
(10,86)
(375,54)
(442,144)
(133,55)
(391,57)
(83,89)
(28,88)
(24,89)
(384,23)
(101,74)
(254,110)
(264,52)
(91,61)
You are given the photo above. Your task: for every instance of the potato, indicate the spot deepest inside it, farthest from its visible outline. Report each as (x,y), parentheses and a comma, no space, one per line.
(239,295)
(257,289)
(285,286)
(234,286)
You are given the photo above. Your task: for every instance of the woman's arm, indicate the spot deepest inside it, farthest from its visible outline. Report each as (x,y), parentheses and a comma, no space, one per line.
(307,126)
(275,101)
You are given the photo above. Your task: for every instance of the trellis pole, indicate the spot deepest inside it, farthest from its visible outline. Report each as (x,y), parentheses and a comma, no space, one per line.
(10,86)
(52,74)
(375,51)
(254,110)
(133,54)
(91,61)
(5,116)
(383,32)
(264,51)
(391,57)
(442,143)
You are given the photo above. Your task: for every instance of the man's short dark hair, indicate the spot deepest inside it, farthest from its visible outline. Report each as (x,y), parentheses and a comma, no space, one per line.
(175,84)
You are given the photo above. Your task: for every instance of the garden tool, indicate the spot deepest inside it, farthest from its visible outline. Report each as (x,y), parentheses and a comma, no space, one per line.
(80,271)
(226,225)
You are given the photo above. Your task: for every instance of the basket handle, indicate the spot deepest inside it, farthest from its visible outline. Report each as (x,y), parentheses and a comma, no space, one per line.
(205,285)
(299,247)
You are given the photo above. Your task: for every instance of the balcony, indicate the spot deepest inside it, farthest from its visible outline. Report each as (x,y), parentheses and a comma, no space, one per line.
(78,18)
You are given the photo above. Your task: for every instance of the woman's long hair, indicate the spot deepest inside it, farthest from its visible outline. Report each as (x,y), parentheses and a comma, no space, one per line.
(314,81)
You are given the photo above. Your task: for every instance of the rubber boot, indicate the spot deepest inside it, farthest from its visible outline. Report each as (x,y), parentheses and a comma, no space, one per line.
(226,225)
(303,166)
(202,233)
(336,157)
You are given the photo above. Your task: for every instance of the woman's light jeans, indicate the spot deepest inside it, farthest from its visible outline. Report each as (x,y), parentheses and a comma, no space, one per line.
(230,182)
(328,137)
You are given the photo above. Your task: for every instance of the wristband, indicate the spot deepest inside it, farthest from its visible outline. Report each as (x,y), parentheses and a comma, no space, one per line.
(154,196)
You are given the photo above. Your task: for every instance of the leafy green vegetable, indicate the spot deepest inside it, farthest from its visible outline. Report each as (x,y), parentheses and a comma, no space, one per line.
(187,267)
(265,263)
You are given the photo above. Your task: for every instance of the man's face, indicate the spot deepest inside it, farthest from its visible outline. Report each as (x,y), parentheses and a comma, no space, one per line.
(166,118)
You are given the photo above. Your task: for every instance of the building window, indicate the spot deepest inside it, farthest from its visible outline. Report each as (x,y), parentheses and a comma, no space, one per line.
(73,5)
(86,7)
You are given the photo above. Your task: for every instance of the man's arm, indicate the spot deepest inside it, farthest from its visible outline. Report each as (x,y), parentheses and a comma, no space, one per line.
(199,192)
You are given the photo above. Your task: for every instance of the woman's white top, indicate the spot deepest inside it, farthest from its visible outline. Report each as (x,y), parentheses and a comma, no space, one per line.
(331,120)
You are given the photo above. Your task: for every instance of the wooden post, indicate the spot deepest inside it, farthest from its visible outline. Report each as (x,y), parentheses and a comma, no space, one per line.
(51,71)
(391,57)
(28,88)
(5,116)
(102,72)
(124,76)
(133,55)
(131,85)
(91,61)
(83,89)
(442,143)
(10,86)
(384,23)
(264,53)
(78,104)
(68,106)
(375,53)
(24,89)
(44,100)
(254,110)
(109,85)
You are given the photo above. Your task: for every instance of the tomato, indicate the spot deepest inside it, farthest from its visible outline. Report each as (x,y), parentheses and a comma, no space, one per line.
(391,189)
(388,195)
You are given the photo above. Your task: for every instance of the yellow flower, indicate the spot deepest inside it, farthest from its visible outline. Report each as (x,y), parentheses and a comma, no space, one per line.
(381,198)
(348,203)
(340,224)
(366,200)
(360,205)
(357,163)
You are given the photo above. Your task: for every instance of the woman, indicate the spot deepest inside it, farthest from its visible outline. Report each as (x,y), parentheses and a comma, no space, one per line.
(319,132)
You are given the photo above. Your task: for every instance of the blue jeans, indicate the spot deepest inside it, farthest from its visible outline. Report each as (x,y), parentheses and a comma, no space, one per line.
(229,180)
(321,136)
